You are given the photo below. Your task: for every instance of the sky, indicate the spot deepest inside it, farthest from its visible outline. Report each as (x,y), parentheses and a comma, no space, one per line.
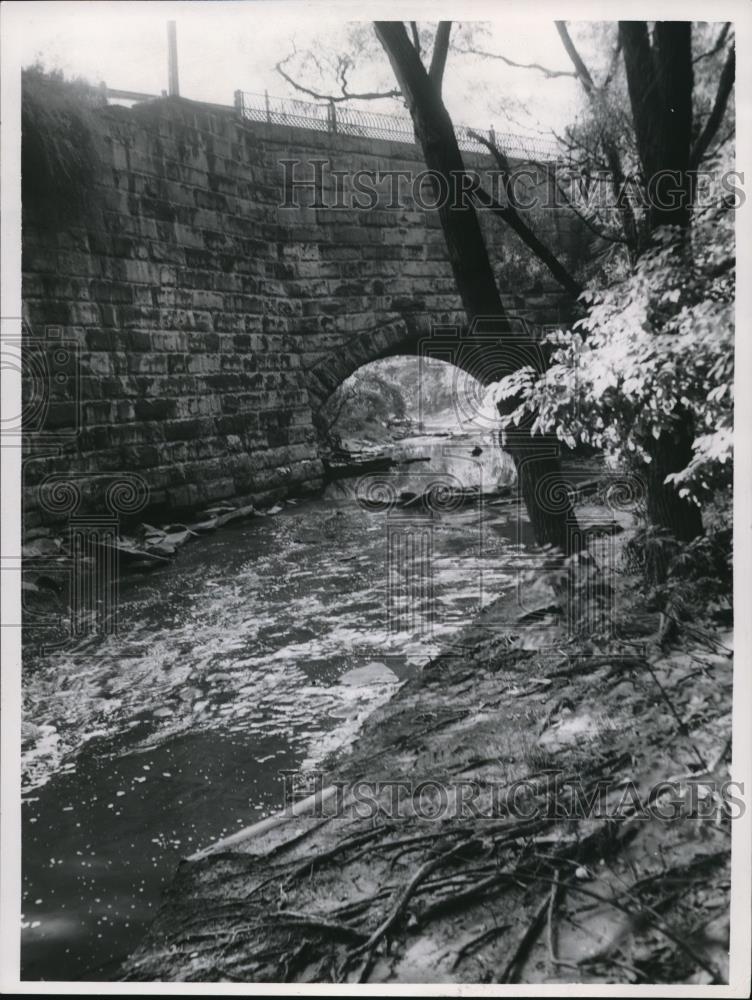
(223,47)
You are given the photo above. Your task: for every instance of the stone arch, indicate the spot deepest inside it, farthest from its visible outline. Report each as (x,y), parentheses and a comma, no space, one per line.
(478,351)
(395,335)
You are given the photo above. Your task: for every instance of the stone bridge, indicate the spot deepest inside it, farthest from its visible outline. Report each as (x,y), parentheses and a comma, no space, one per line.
(208,300)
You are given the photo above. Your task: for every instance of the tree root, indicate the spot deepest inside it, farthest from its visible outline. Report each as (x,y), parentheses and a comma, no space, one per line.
(400,905)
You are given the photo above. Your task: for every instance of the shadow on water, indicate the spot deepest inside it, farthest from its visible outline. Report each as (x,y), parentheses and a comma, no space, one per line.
(260,648)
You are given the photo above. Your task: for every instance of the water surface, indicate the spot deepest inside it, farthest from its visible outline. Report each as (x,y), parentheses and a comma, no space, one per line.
(260,648)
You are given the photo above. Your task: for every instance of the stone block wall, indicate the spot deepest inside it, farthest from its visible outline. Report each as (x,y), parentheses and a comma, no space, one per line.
(193,307)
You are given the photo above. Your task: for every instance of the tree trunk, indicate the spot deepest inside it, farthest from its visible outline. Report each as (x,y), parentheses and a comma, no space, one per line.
(536,458)
(660,81)
(665,508)
(543,489)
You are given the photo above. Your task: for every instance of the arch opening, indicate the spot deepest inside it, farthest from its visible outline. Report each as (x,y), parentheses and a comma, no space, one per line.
(420,411)
(385,400)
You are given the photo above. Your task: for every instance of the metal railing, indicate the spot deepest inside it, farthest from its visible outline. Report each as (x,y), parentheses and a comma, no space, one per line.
(342,120)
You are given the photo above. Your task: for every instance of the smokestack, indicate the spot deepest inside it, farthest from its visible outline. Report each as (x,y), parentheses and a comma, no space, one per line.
(172,57)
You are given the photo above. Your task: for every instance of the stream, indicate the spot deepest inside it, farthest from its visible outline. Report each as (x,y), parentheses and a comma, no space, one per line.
(260,648)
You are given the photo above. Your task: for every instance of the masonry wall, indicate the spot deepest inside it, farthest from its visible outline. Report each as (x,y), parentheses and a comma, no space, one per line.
(193,308)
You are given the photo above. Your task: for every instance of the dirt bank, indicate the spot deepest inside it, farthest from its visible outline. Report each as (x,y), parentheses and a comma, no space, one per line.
(500,820)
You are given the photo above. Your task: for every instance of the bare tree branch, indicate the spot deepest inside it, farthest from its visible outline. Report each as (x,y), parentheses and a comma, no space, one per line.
(589,222)
(576,145)
(725,85)
(581,71)
(514,220)
(719,43)
(721,142)
(334,98)
(549,73)
(607,142)
(416,36)
(439,56)
(550,169)
(614,64)
(501,162)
